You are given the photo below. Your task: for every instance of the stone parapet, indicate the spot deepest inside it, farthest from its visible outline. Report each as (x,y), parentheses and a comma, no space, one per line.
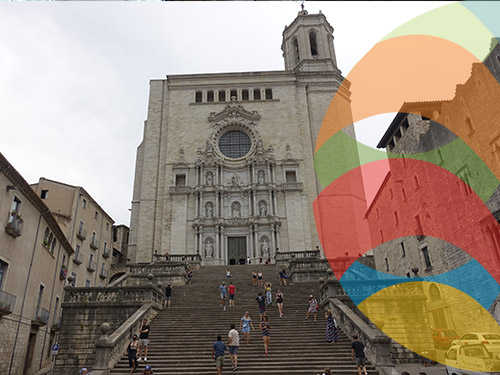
(283,258)
(307,269)
(171,272)
(86,309)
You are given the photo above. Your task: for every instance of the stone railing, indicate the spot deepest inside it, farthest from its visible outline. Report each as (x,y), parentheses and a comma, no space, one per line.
(352,321)
(292,186)
(165,272)
(283,258)
(308,269)
(193,260)
(378,345)
(122,280)
(110,348)
(136,294)
(180,190)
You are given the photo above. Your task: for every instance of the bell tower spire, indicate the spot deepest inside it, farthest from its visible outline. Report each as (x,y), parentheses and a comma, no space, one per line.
(308,43)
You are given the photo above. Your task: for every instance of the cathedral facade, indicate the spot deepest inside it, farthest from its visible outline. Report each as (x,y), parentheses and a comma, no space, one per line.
(225,169)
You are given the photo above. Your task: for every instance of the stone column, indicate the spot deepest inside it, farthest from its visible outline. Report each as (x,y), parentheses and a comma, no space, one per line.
(222,247)
(201,204)
(197,208)
(250,241)
(217,234)
(250,207)
(273,242)
(216,213)
(257,241)
(278,237)
(275,202)
(271,205)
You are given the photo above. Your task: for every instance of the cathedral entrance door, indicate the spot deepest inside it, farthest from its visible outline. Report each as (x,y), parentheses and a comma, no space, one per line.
(237,250)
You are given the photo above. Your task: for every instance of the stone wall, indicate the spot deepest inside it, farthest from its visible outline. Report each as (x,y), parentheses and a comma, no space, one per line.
(85,309)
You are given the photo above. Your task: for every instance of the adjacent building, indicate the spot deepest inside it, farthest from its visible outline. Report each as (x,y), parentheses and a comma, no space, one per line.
(88,228)
(225,169)
(407,193)
(120,244)
(34,260)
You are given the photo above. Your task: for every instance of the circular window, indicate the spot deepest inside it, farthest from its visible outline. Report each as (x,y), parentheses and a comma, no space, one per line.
(234,144)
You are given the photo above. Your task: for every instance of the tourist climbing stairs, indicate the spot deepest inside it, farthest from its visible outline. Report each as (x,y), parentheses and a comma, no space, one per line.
(182,336)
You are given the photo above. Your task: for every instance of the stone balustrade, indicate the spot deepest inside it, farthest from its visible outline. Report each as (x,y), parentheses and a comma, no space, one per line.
(307,269)
(86,309)
(115,294)
(110,347)
(192,260)
(171,272)
(283,258)
(381,350)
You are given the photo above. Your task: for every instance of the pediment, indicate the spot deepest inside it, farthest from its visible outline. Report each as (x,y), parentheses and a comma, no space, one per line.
(233,113)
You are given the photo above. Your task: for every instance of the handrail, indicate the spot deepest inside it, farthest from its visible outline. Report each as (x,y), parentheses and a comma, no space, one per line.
(110,348)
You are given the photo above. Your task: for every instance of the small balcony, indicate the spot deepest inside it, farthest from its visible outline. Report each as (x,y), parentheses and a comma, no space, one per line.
(94,244)
(63,272)
(92,266)
(7,303)
(56,326)
(106,253)
(81,234)
(78,258)
(14,225)
(41,318)
(104,273)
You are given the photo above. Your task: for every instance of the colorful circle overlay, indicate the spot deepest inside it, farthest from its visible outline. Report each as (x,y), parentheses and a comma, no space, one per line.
(439,66)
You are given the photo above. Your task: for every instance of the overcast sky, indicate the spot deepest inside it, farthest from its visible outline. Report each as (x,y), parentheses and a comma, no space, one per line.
(74,76)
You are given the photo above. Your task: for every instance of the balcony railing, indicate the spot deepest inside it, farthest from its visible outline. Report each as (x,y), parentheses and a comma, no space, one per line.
(94,244)
(14,225)
(78,258)
(81,234)
(92,266)
(104,273)
(106,253)
(63,272)
(7,303)
(41,318)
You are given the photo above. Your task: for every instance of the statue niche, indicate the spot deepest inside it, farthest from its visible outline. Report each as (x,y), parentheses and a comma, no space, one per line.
(209,248)
(263,208)
(261,177)
(209,179)
(264,247)
(236,209)
(209,209)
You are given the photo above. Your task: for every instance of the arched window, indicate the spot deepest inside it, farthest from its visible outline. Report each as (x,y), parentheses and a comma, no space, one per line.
(312,43)
(46,235)
(295,50)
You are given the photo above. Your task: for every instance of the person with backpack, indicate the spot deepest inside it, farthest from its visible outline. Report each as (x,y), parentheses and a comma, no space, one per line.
(358,354)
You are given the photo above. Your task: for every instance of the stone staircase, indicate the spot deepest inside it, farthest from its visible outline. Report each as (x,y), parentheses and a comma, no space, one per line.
(182,336)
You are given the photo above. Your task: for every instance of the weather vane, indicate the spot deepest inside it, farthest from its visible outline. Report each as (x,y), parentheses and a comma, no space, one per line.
(302,5)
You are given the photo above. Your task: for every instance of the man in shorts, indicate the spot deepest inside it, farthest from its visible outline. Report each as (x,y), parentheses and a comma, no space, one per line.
(233,343)
(358,354)
(218,354)
(231,288)
(261,302)
(144,340)
(222,291)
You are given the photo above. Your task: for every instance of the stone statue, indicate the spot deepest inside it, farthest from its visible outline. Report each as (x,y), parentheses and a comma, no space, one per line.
(263,208)
(235,180)
(261,177)
(209,178)
(209,146)
(209,210)
(209,249)
(235,210)
(260,146)
(264,248)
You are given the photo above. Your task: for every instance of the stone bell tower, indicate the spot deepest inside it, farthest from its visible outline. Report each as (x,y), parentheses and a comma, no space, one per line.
(308,44)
